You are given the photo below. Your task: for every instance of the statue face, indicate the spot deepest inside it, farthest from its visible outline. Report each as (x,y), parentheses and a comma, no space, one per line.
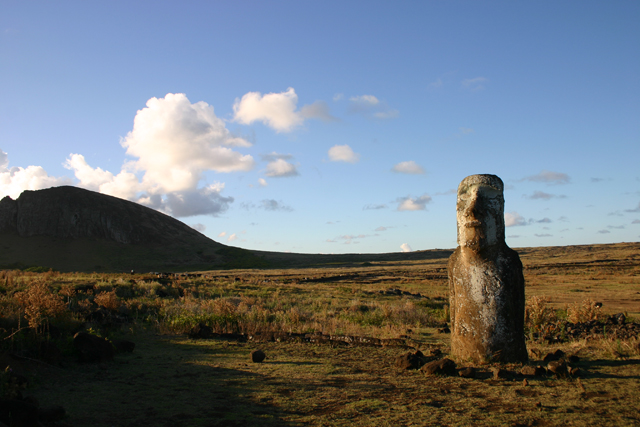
(480,213)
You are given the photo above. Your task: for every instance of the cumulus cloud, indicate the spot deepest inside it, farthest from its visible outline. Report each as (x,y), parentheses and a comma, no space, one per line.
(232,237)
(372,107)
(343,153)
(541,195)
(405,247)
(262,182)
(279,168)
(15,180)
(513,219)
(409,167)
(278,110)
(474,84)
(173,143)
(222,234)
(549,177)
(414,204)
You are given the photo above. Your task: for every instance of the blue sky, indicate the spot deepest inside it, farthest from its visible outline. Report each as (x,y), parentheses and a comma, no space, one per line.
(331,127)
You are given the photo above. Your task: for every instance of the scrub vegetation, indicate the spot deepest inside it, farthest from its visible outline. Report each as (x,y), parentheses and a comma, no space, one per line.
(178,376)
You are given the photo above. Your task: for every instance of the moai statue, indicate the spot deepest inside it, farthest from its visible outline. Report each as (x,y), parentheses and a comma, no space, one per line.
(486,285)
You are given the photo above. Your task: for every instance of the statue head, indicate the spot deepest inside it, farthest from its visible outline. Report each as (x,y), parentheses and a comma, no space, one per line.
(480,211)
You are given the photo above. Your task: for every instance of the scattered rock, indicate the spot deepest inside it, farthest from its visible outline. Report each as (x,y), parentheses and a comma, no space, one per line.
(469,372)
(557,355)
(258,356)
(575,372)
(525,382)
(410,360)
(533,371)
(91,348)
(499,373)
(440,367)
(558,368)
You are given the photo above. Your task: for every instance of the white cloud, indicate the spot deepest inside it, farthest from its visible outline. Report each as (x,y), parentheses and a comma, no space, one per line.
(232,237)
(372,107)
(276,110)
(364,100)
(414,204)
(409,167)
(343,153)
(406,248)
(174,143)
(280,168)
(15,180)
(338,97)
(262,182)
(513,219)
(549,177)
(222,234)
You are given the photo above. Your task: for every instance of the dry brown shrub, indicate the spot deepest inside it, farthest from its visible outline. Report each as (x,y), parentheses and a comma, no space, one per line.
(583,312)
(537,315)
(40,305)
(108,300)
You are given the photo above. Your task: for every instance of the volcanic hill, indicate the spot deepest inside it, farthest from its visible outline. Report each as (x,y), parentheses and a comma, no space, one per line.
(72,229)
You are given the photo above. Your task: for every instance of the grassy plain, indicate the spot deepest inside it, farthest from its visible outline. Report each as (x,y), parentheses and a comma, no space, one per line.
(172,380)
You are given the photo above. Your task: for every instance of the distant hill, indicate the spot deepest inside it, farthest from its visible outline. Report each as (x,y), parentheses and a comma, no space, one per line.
(72,229)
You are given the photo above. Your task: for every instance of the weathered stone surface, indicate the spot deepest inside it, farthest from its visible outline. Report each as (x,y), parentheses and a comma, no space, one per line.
(258,356)
(91,348)
(440,367)
(410,360)
(533,371)
(469,372)
(558,367)
(486,284)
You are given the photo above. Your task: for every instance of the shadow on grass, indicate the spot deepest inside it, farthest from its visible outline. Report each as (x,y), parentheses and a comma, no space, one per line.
(164,383)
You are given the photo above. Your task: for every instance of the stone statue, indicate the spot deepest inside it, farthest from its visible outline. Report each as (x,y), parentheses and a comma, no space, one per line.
(486,284)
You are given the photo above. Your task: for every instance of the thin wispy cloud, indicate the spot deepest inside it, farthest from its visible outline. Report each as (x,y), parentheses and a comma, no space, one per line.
(274,205)
(370,106)
(474,84)
(549,177)
(541,195)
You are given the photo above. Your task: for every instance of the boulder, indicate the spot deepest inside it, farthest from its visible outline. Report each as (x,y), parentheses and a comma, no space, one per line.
(410,360)
(258,356)
(91,348)
(440,367)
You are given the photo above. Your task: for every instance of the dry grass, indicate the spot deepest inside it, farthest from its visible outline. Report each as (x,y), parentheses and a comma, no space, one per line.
(172,380)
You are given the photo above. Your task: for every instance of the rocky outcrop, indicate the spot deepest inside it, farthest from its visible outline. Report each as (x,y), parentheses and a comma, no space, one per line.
(71,212)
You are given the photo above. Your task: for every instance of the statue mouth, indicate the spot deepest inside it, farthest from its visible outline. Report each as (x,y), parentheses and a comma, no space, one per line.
(473,224)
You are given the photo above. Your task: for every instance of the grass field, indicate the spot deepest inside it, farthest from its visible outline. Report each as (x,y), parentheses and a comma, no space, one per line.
(173,380)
